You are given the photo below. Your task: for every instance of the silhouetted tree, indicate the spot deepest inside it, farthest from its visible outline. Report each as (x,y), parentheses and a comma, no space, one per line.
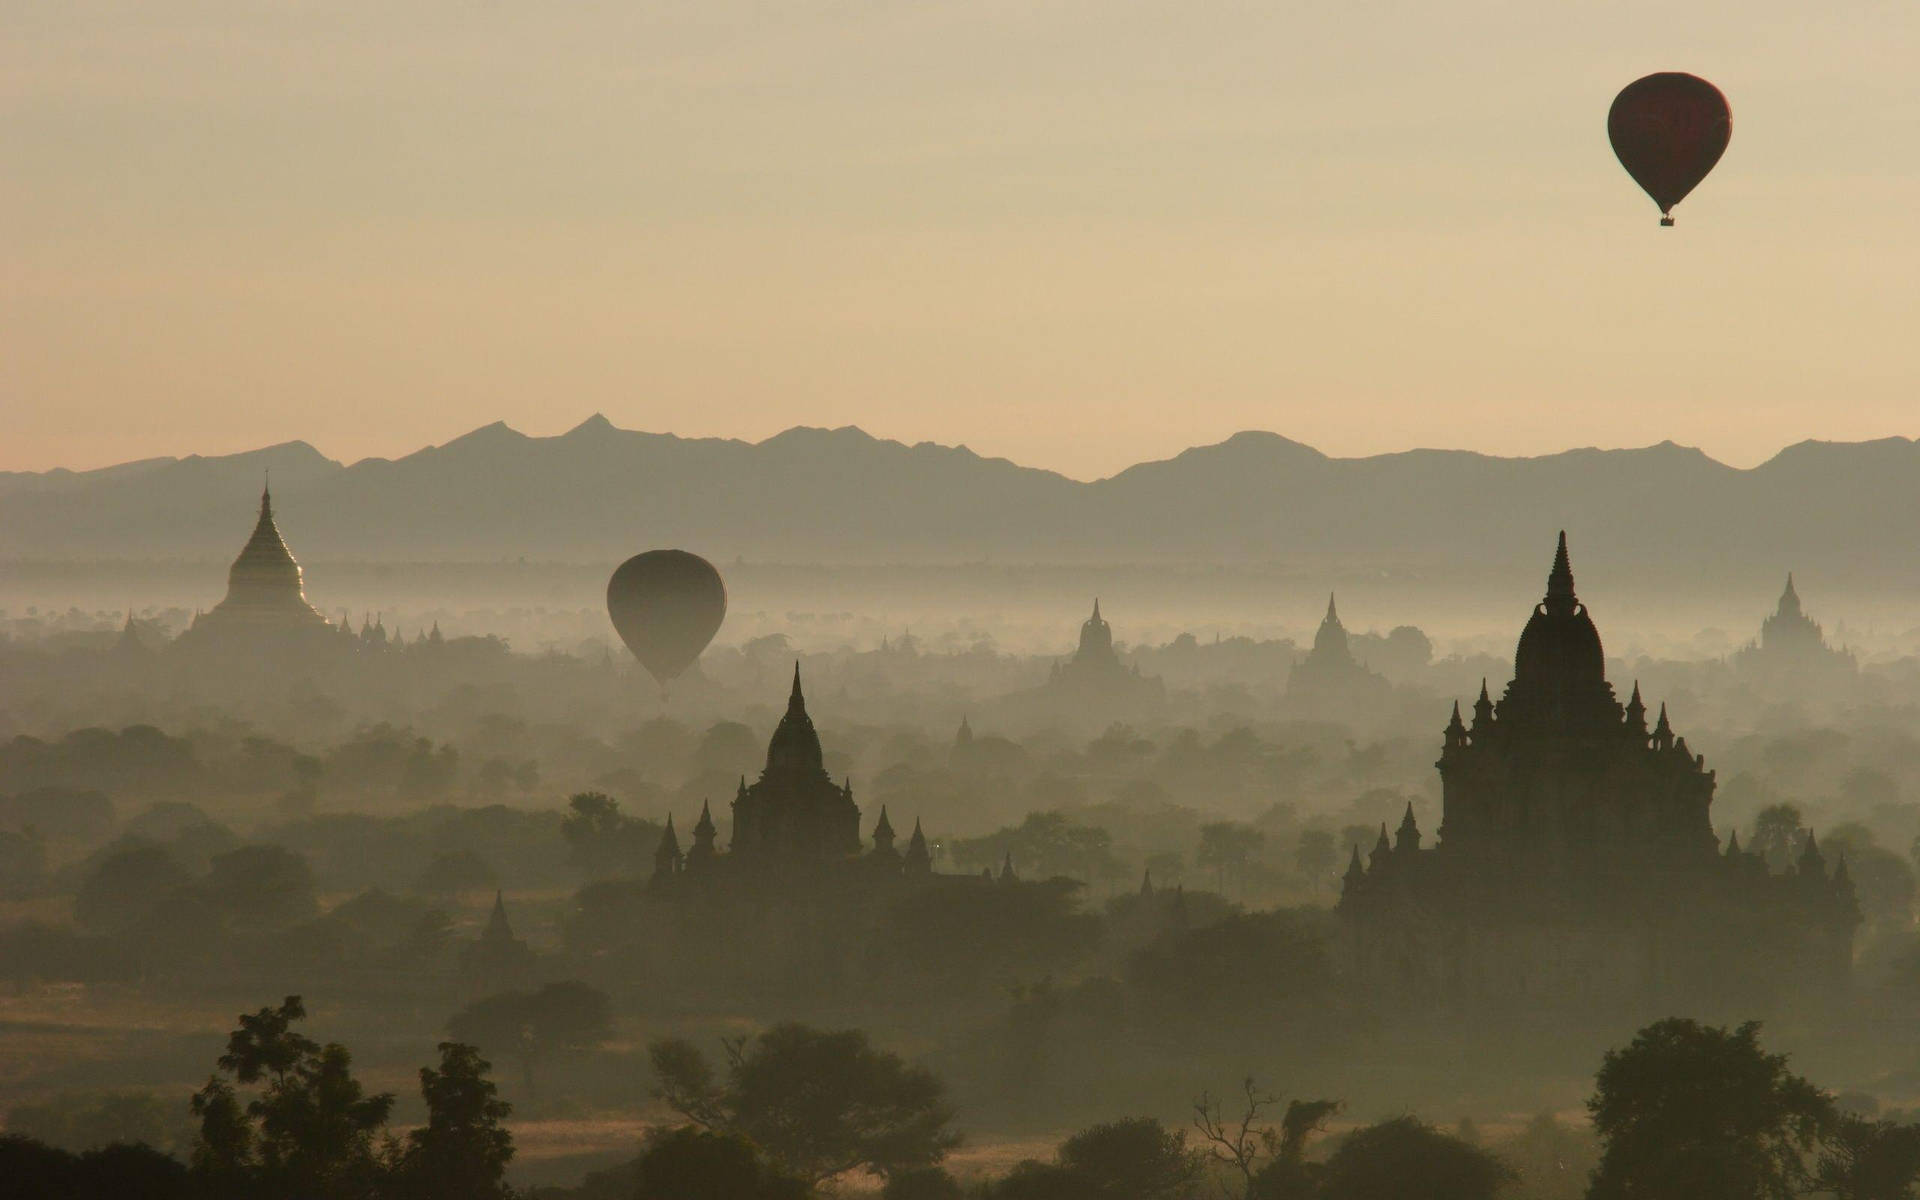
(79,1122)
(23,863)
(1777,834)
(264,887)
(1690,1110)
(1133,1159)
(31,1170)
(1406,1159)
(126,886)
(922,1183)
(428,772)
(700,1164)
(1034,1180)
(560,1018)
(818,1103)
(1553,1161)
(1316,855)
(1242,1143)
(1237,968)
(1862,1159)
(461,1153)
(602,841)
(307,1135)
(1228,848)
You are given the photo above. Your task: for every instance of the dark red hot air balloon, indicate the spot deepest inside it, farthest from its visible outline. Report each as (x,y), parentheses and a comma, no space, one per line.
(1668,130)
(666,605)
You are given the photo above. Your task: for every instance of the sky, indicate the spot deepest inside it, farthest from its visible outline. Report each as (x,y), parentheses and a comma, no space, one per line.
(1074,234)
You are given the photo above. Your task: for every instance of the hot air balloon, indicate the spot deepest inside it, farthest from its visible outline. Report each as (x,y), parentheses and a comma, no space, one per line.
(666,605)
(1668,130)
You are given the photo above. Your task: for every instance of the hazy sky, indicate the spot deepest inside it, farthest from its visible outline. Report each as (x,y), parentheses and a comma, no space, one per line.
(1077,234)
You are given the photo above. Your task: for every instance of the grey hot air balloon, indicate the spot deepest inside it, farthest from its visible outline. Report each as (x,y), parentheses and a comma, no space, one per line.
(666,605)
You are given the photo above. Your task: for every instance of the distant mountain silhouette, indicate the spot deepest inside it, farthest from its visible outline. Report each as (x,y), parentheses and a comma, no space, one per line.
(597,493)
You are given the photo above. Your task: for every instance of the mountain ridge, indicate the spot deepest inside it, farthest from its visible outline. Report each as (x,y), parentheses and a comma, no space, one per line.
(813,493)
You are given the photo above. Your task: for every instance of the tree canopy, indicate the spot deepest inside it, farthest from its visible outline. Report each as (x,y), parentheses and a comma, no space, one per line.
(819,1103)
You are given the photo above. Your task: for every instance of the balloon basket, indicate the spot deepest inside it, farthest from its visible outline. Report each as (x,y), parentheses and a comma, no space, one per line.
(1666,222)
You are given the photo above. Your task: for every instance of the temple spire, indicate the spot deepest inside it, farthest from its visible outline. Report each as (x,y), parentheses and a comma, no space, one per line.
(1355,878)
(919,860)
(1560,598)
(1407,837)
(498,929)
(1333,614)
(1789,598)
(1381,849)
(796,701)
(1662,730)
(667,859)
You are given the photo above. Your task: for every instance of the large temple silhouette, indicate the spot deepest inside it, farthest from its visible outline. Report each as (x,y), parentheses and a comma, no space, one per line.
(266,612)
(793,819)
(265,596)
(1792,648)
(1576,864)
(1095,684)
(1330,679)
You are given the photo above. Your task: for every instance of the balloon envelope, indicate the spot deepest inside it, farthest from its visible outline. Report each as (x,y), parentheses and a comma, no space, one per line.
(666,605)
(1668,130)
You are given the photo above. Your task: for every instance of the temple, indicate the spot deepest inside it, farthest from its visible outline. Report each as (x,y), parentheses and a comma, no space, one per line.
(1330,678)
(1576,862)
(265,599)
(1095,682)
(1792,647)
(1094,661)
(793,819)
(795,811)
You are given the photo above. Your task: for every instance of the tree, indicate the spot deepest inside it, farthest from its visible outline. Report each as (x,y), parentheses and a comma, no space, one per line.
(560,1018)
(1044,845)
(1869,1160)
(80,1121)
(1237,969)
(701,1164)
(818,1103)
(461,1153)
(1553,1160)
(1133,1159)
(263,887)
(1689,1110)
(1777,835)
(922,1183)
(1405,1159)
(428,772)
(1228,847)
(603,842)
(307,1135)
(126,886)
(1316,855)
(31,1170)
(1033,1180)
(1241,1143)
